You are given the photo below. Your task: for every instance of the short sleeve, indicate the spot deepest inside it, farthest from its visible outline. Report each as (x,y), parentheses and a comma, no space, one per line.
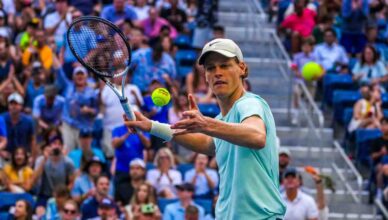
(249,107)
(312,209)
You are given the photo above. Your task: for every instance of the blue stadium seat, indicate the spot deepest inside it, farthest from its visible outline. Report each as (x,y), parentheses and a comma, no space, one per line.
(352,63)
(5,216)
(183,41)
(8,200)
(347,117)
(97,132)
(210,110)
(206,204)
(385,112)
(342,100)
(184,167)
(162,203)
(332,82)
(363,139)
(150,166)
(185,60)
(384,99)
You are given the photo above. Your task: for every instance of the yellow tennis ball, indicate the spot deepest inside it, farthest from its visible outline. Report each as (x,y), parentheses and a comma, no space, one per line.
(161,97)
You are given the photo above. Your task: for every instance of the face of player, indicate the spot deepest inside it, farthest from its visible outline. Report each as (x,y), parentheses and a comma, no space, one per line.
(224,75)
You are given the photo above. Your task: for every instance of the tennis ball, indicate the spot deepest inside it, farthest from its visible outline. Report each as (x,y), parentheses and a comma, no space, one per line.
(311,70)
(161,97)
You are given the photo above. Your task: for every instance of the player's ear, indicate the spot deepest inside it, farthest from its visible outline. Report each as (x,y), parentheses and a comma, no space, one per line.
(244,69)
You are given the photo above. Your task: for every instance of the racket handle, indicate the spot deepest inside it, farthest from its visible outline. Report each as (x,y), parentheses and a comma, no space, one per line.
(128,111)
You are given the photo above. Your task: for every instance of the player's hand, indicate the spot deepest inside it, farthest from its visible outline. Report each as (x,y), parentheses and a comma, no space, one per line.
(141,122)
(193,121)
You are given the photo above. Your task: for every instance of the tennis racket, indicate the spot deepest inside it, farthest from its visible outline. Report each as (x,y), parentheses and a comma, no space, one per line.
(103,49)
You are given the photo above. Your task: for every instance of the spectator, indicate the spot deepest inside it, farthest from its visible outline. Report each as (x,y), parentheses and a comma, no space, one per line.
(20,127)
(138,40)
(7,68)
(48,108)
(196,84)
(203,179)
(284,161)
(18,171)
(206,17)
(367,111)
(218,31)
(86,7)
(85,151)
(177,210)
(23,210)
(301,24)
(164,177)
(370,70)
(355,16)
(168,45)
(27,37)
(141,9)
(70,210)
(191,213)
(191,10)
(127,147)
(39,51)
(53,168)
(84,187)
(89,208)
(107,209)
(300,206)
(118,12)
(55,205)
(3,137)
(143,204)
(330,55)
(175,16)
(153,24)
(35,79)
(6,185)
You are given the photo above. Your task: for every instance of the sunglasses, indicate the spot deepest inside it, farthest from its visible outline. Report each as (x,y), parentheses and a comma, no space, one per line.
(70,211)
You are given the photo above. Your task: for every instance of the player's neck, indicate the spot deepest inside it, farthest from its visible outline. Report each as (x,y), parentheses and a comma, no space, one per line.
(227,102)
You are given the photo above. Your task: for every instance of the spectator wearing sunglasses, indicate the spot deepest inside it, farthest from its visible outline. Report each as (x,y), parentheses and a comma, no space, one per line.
(70,210)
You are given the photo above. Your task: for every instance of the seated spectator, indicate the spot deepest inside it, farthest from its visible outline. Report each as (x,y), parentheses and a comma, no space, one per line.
(9,86)
(300,206)
(138,40)
(196,84)
(319,30)
(203,179)
(164,177)
(168,45)
(143,204)
(367,111)
(38,52)
(53,168)
(330,54)
(119,11)
(70,210)
(89,208)
(6,186)
(300,23)
(85,151)
(18,171)
(141,9)
(176,16)
(20,127)
(153,24)
(177,210)
(7,67)
(284,161)
(55,204)
(370,69)
(23,210)
(191,213)
(35,80)
(107,209)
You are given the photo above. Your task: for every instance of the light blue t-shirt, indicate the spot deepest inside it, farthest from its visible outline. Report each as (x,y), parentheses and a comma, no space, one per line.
(249,179)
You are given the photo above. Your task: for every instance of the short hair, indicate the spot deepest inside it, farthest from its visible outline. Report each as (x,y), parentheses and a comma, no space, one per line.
(99,177)
(62,191)
(191,210)
(219,28)
(331,30)
(309,40)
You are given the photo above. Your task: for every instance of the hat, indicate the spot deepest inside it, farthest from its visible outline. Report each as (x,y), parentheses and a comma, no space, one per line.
(16,97)
(85,132)
(107,203)
(92,160)
(185,186)
(291,171)
(286,151)
(50,91)
(54,138)
(137,162)
(80,69)
(225,47)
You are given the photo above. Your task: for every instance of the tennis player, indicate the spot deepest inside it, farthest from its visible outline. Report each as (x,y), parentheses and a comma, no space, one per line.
(242,137)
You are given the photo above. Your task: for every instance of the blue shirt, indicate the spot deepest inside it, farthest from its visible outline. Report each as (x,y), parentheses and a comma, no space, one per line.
(20,134)
(162,112)
(201,184)
(131,148)
(175,211)
(32,92)
(147,69)
(76,156)
(84,184)
(52,114)
(87,44)
(249,178)
(3,128)
(52,212)
(109,12)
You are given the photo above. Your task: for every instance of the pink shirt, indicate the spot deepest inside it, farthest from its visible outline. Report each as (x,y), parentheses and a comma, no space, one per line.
(304,24)
(153,30)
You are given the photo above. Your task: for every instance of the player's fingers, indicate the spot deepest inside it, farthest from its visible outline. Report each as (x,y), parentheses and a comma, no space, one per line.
(190,114)
(139,116)
(183,124)
(192,104)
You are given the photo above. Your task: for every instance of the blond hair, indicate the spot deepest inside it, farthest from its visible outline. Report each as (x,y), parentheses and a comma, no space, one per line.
(169,154)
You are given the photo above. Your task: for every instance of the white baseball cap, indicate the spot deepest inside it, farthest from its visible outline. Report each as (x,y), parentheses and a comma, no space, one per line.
(80,69)
(223,46)
(286,151)
(138,162)
(16,97)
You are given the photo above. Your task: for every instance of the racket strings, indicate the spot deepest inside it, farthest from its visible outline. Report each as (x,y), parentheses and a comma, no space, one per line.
(100,47)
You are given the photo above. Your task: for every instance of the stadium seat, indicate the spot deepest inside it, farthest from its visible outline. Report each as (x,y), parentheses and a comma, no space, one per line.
(206,204)
(363,139)
(5,216)
(97,132)
(210,110)
(347,117)
(150,166)
(8,200)
(184,167)
(332,82)
(183,41)
(342,100)
(162,203)
(384,99)
(185,60)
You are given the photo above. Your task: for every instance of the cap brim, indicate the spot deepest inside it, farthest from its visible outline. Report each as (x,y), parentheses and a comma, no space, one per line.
(201,60)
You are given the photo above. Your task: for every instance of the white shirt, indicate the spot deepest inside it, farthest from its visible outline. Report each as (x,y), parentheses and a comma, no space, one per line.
(52,19)
(9,6)
(113,110)
(303,207)
(142,12)
(164,182)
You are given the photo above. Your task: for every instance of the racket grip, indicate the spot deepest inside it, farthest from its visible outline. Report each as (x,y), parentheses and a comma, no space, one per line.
(128,111)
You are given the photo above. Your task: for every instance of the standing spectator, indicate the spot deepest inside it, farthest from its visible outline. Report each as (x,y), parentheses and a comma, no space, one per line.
(118,12)
(203,179)
(206,17)
(18,171)
(39,51)
(20,127)
(55,204)
(153,24)
(177,210)
(300,206)
(355,16)
(176,16)
(23,210)
(53,168)
(370,70)
(70,210)
(284,161)
(141,9)
(330,54)
(143,203)
(164,177)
